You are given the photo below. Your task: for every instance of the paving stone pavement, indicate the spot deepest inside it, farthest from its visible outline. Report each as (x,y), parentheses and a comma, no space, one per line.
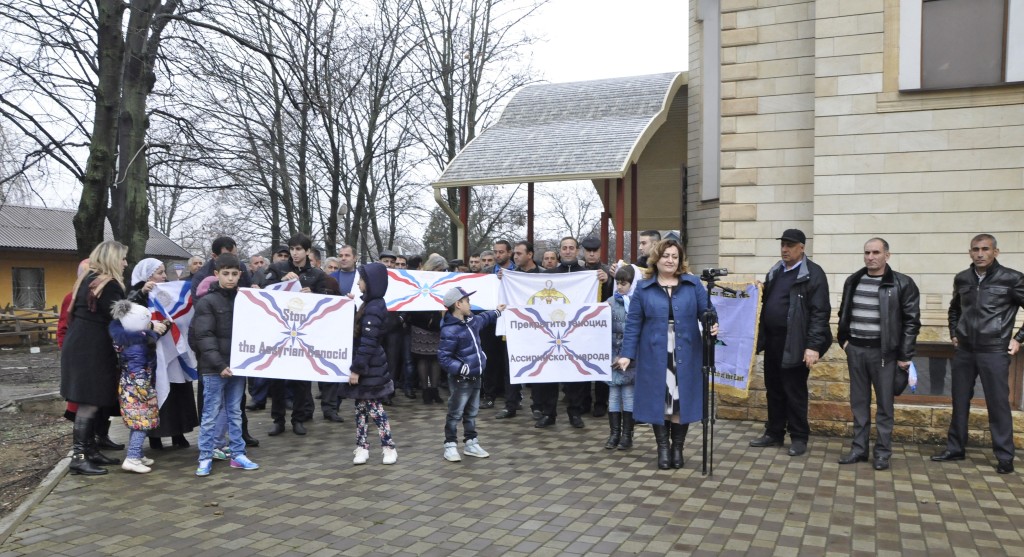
(555,491)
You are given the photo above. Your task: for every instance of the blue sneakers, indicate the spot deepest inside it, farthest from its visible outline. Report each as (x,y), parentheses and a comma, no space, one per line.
(204,468)
(243,462)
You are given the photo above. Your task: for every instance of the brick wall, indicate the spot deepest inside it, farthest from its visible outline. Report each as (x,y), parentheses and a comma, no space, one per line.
(816,135)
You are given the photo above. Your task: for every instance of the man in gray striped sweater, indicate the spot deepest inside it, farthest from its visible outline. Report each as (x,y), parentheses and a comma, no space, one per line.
(879,319)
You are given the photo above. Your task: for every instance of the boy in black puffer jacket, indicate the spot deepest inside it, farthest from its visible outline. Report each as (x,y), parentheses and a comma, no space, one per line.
(463,358)
(222,390)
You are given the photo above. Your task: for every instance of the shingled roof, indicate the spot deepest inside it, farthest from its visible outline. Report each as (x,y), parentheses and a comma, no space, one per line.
(40,228)
(567,131)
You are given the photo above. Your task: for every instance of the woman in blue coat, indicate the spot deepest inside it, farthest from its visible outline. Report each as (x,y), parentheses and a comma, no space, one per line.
(663,336)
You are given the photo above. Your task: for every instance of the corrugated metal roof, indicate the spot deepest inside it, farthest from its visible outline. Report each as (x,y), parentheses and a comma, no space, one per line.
(567,131)
(41,228)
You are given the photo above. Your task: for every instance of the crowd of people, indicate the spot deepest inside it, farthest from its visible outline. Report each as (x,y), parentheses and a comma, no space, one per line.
(657,305)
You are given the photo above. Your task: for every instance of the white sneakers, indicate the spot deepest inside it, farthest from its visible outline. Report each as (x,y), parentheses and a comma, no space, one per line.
(135,465)
(451,452)
(362,455)
(473,448)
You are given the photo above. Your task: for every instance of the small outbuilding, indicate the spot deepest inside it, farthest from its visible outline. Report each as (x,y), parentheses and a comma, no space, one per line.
(39,260)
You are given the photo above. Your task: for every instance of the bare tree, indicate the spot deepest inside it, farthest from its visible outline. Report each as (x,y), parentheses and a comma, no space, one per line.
(571,209)
(466,62)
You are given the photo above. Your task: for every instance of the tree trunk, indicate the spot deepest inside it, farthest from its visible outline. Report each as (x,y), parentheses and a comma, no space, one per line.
(129,209)
(92,207)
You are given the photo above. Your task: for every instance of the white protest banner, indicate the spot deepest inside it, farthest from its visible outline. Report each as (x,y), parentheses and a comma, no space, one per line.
(520,289)
(175,361)
(292,335)
(424,290)
(736,346)
(286,286)
(559,343)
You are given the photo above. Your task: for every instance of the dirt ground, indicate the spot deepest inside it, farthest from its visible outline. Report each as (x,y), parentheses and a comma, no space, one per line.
(31,443)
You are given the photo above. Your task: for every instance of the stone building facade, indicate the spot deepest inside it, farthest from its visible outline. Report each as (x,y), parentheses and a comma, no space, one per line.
(815,115)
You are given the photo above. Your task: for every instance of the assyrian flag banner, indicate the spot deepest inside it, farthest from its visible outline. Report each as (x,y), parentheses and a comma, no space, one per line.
(424,290)
(286,286)
(559,343)
(292,335)
(531,289)
(551,289)
(175,361)
(736,345)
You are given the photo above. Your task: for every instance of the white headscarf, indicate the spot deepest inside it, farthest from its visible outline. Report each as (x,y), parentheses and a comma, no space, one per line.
(145,269)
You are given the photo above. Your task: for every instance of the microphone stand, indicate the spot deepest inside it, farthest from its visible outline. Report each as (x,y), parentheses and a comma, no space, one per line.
(709,371)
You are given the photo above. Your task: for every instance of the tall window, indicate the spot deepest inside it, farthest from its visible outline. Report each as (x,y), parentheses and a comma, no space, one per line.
(946,44)
(29,291)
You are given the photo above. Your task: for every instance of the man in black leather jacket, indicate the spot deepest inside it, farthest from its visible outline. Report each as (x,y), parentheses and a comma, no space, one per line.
(879,318)
(311,278)
(794,333)
(981,315)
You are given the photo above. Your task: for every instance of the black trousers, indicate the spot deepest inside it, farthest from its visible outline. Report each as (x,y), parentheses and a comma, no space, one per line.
(394,348)
(329,401)
(495,377)
(994,369)
(786,389)
(545,397)
(302,400)
(599,398)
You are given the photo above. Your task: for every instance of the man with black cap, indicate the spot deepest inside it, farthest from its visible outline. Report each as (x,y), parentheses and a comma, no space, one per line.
(388,258)
(281,254)
(592,262)
(794,333)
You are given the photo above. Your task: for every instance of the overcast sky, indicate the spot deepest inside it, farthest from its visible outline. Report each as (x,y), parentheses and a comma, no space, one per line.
(597,39)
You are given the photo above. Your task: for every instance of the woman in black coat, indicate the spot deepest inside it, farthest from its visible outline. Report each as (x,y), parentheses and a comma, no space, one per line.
(178,414)
(369,381)
(88,363)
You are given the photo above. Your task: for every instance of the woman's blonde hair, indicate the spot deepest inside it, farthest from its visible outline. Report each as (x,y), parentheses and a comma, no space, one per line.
(105,261)
(656,253)
(435,262)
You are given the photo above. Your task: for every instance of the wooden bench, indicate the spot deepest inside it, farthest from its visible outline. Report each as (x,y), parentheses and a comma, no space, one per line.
(28,324)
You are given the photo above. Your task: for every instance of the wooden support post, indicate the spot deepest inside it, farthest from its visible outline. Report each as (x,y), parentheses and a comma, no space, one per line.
(605,215)
(620,218)
(529,212)
(463,250)
(632,211)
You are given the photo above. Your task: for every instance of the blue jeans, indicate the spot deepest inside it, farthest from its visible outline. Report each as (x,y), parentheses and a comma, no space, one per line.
(463,404)
(221,395)
(620,398)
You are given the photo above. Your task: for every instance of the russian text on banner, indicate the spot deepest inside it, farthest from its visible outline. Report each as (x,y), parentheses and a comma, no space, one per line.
(292,335)
(424,290)
(559,343)
(736,347)
(175,361)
